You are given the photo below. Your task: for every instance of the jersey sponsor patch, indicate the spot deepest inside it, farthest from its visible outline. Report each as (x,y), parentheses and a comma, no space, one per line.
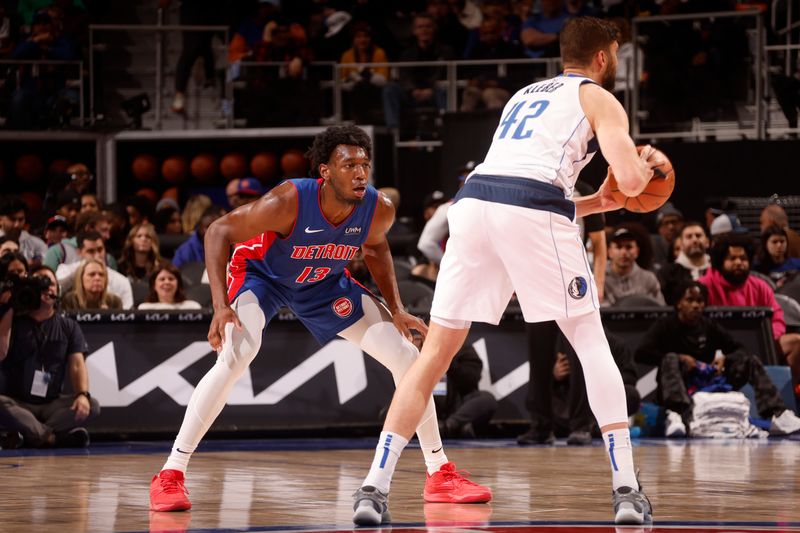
(577,288)
(343,307)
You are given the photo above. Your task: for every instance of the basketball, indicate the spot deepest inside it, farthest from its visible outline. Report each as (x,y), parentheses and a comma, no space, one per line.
(144,167)
(29,168)
(655,194)
(264,166)
(204,167)
(233,166)
(294,164)
(175,169)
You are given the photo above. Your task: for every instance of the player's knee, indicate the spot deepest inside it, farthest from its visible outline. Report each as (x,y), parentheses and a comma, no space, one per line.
(243,344)
(390,348)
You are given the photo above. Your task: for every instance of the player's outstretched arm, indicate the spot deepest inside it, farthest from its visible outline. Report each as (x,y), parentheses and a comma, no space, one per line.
(610,124)
(378,258)
(275,211)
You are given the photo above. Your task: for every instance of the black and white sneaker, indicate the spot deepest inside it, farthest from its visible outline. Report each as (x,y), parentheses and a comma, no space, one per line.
(371,507)
(631,507)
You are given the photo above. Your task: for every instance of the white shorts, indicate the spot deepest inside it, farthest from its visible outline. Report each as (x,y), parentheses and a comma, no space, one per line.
(495,250)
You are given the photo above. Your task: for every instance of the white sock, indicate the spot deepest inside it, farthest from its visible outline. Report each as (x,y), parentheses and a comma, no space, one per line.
(430,441)
(387,453)
(620,454)
(179,457)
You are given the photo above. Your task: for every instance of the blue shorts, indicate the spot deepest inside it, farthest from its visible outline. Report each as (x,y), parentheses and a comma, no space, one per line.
(325,309)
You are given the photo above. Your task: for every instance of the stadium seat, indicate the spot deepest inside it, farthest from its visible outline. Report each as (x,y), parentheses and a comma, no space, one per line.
(637,300)
(193,272)
(416,296)
(200,293)
(791,312)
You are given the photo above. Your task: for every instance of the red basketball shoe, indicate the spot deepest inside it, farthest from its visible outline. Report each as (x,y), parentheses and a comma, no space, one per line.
(451,486)
(168,493)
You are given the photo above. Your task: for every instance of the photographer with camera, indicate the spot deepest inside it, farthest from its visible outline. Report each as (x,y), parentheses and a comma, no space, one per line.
(38,349)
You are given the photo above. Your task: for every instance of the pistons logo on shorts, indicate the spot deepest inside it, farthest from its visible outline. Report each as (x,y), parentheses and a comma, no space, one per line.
(577,288)
(342,307)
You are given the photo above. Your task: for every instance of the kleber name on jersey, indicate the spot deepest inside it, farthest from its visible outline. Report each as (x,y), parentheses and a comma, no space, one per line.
(341,252)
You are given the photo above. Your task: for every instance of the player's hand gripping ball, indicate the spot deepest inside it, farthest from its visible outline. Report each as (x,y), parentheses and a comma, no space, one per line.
(656,193)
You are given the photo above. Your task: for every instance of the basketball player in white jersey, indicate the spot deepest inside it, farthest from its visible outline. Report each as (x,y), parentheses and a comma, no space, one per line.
(512,229)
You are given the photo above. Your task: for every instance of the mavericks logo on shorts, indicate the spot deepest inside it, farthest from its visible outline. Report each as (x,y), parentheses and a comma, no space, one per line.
(577,288)
(342,307)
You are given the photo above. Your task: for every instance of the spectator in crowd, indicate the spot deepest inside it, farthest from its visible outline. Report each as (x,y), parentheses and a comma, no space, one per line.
(34,409)
(557,399)
(725,224)
(90,289)
(92,246)
(335,31)
(66,252)
(729,283)
(166,290)
(56,230)
(691,263)
(250,32)
(623,276)
(195,206)
(68,205)
(485,87)
(12,225)
(140,254)
(417,86)
(362,86)
(540,31)
(13,264)
(193,250)
(194,45)
(139,209)
(687,348)
(7,244)
(465,410)
(167,219)
(669,222)
(449,27)
(627,77)
(76,181)
(38,100)
(775,215)
(243,191)
(772,258)
(89,202)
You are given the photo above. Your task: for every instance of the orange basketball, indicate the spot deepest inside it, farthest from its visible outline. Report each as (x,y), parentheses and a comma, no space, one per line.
(264,166)
(59,166)
(294,164)
(204,167)
(175,169)
(233,166)
(145,167)
(29,168)
(655,194)
(148,193)
(33,201)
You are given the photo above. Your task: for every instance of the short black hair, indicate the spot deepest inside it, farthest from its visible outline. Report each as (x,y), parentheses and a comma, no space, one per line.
(681,289)
(722,245)
(87,236)
(12,204)
(326,142)
(691,223)
(9,257)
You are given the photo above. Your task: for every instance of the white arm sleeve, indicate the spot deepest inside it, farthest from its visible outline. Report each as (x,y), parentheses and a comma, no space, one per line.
(433,233)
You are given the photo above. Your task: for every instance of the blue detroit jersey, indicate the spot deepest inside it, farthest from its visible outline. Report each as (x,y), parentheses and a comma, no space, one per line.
(306,269)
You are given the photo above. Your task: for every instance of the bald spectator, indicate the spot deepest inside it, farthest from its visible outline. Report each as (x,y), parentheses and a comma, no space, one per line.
(729,282)
(690,264)
(623,276)
(775,215)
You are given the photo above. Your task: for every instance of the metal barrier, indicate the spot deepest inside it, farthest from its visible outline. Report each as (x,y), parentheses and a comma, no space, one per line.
(36,64)
(159,29)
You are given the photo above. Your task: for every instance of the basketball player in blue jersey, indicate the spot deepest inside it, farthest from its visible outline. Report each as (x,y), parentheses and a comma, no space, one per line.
(513,230)
(293,246)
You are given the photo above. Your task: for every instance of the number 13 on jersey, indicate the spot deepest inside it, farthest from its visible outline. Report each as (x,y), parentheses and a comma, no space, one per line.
(522,130)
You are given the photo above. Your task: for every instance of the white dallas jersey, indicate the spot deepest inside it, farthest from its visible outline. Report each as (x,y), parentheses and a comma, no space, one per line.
(543,135)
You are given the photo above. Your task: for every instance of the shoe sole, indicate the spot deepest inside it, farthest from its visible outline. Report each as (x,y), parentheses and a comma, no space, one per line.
(169,507)
(444,497)
(630,517)
(366,515)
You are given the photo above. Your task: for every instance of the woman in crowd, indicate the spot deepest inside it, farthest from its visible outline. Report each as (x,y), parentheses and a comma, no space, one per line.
(140,255)
(13,263)
(166,290)
(167,221)
(90,290)
(7,244)
(773,259)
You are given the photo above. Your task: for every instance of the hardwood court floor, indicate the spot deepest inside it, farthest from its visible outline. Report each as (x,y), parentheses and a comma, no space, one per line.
(739,484)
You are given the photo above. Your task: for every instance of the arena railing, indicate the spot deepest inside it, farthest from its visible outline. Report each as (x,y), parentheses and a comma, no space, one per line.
(36,65)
